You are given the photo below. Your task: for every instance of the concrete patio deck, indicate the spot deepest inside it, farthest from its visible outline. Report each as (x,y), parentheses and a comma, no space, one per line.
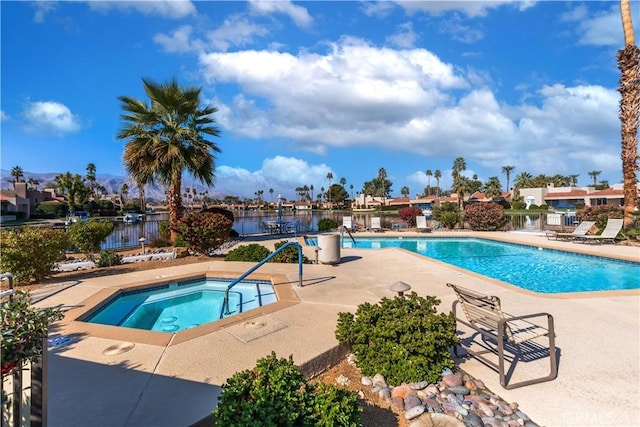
(98,381)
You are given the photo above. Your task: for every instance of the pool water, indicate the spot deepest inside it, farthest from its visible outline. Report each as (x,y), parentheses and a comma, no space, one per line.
(179,306)
(535,269)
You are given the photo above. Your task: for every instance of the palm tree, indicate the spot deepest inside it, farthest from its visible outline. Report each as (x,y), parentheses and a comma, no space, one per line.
(271,194)
(404,191)
(492,188)
(91,178)
(506,170)
(329,177)
(437,175)
(594,175)
(459,165)
(70,186)
(382,178)
(629,66)
(524,180)
(33,183)
(429,175)
(17,174)
(573,179)
(462,185)
(168,137)
(311,188)
(343,181)
(351,188)
(124,192)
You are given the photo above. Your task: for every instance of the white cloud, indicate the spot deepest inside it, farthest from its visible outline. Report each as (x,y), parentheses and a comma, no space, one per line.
(380,9)
(604,29)
(178,40)
(235,31)
(42,7)
(281,173)
(173,9)
(459,31)
(471,9)
(405,37)
(3,116)
(298,14)
(50,117)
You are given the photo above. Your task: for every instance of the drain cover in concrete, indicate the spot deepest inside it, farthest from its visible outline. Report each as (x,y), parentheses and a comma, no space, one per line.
(255,328)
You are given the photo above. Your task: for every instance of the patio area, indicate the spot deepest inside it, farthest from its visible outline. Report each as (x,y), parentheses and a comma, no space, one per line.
(121,380)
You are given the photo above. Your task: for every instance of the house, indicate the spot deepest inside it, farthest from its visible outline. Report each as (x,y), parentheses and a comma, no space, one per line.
(570,197)
(22,200)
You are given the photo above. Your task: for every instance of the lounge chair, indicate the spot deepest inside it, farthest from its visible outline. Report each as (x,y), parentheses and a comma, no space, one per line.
(347,223)
(500,331)
(375,224)
(609,234)
(581,230)
(421,224)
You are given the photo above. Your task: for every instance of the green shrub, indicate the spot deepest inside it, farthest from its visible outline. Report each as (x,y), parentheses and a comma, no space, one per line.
(251,253)
(485,216)
(87,236)
(533,207)
(160,242)
(51,210)
(518,205)
(109,258)
(204,232)
(164,231)
(24,328)
(448,214)
(289,254)
(327,224)
(544,207)
(275,393)
(409,215)
(31,253)
(402,338)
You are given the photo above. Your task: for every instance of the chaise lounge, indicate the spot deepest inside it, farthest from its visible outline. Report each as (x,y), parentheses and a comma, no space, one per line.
(581,230)
(608,235)
(421,224)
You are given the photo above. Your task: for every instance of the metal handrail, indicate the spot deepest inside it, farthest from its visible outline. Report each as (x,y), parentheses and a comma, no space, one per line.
(9,292)
(342,230)
(260,264)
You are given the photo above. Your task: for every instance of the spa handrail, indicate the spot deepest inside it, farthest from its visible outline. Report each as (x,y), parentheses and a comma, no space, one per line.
(260,264)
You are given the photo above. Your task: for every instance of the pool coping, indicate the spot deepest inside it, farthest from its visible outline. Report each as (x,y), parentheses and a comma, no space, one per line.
(507,285)
(73,323)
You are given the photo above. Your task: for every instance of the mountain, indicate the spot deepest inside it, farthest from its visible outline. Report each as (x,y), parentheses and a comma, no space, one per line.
(111,183)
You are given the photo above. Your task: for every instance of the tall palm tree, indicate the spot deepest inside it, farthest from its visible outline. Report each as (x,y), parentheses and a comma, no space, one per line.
(17,173)
(629,66)
(343,181)
(437,175)
(573,179)
(429,174)
(382,177)
(33,183)
(404,191)
(506,170)
(329,177)
(459,165)
(462,185)
(271,194)
(594,175)
(168,137)
(91,178)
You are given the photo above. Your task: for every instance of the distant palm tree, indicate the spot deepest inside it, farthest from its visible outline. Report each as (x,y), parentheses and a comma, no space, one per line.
(33,183)
(168,137)
(437,175)
(70,185)
(629,66)
(506,170)
(459,165)
(91,178)
(343,182)
(429,175)
(351,188)
(574,180)
(271,193)
(461,186)
(405,191)
(594,175)
(524,180)
(382,178)
(329,177)
(17,174)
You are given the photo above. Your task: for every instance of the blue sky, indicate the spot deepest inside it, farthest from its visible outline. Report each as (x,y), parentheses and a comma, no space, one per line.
(308,88)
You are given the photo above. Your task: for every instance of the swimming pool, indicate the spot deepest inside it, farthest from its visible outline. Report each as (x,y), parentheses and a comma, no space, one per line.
(535,269)
(183,305)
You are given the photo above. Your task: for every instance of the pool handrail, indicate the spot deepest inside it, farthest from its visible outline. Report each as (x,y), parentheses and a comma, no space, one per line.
(342,230)
(260,264)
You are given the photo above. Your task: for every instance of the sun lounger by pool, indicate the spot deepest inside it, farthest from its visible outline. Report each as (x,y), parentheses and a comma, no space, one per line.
(347,223)
(496,332)
(608,235)
(375,224)
(421,224)
(581,230)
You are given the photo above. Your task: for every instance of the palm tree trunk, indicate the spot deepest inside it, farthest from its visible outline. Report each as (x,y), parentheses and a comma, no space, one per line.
(174,200)
(629,66)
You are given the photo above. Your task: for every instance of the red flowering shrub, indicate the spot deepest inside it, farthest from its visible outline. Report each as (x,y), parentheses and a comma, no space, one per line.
(409,215)
(204,232)
(485,216)
(600,214)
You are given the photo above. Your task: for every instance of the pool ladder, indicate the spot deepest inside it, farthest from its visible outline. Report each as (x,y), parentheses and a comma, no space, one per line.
(260,264)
